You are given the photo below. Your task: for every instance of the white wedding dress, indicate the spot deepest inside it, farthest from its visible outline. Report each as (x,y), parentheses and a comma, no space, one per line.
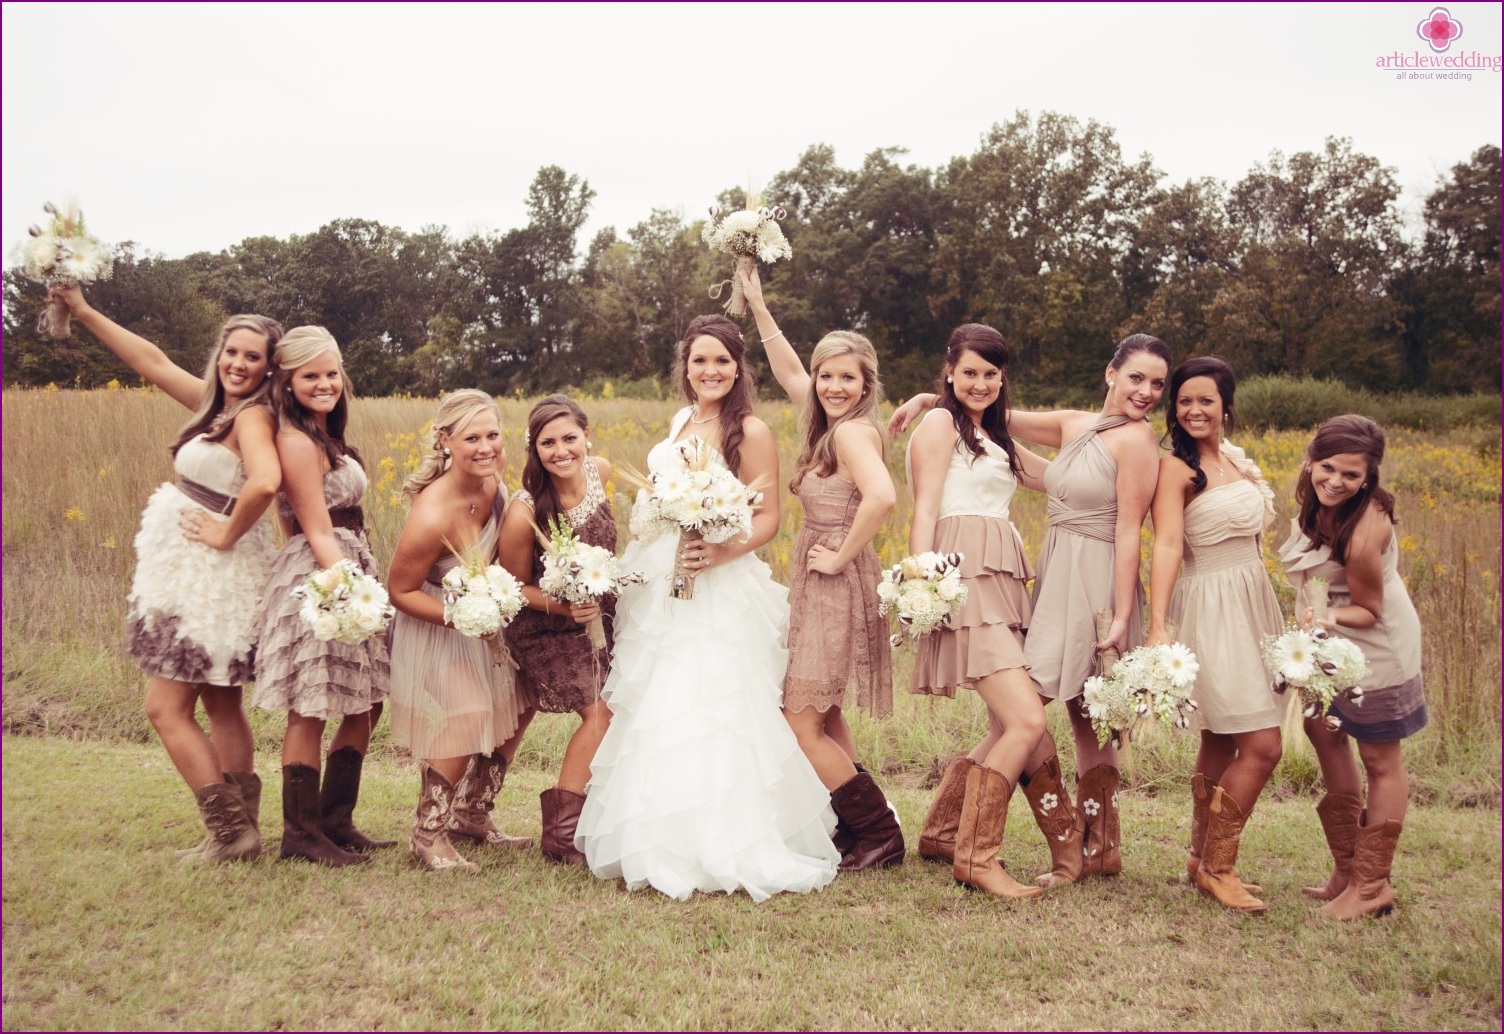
(699,783)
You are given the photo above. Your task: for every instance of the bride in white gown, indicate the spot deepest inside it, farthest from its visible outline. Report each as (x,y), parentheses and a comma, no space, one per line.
(699,783)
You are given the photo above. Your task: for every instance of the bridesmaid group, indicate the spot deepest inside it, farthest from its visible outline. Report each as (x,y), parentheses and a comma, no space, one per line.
(680,774)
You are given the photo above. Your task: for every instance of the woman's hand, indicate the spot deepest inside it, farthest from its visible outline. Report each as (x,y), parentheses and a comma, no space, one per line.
(1308,620)
(584,613)
(751,285)
(1158,637)
(1116,637)
(907,413)
(822,560)
(72,297)
(700,556)
(200,526)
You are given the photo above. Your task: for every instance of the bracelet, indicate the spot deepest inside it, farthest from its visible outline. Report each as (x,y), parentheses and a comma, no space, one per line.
(770,337)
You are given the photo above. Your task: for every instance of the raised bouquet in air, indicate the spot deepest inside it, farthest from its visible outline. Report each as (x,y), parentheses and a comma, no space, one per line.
(750,235)
(1149,683)
(699,499)
(1321,665)
(924,590)
(344,603)
(579,573)
(480,600)
(63,254)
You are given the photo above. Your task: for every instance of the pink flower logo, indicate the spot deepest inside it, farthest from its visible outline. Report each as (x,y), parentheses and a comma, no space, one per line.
(1439,29)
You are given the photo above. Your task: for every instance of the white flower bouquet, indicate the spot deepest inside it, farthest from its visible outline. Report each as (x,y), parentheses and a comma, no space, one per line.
(700,500)
(749,236)
(1150,682)
(62,255)
(924,590)
(481,601)
(344,603)
(579,573)
(1321,665)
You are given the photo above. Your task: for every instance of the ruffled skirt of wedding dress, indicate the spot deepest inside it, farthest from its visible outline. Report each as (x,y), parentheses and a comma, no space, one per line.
(699,783)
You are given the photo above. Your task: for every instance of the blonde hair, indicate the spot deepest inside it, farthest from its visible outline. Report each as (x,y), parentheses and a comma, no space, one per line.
(211,418)
(298,347)
(456,409)
(818,451)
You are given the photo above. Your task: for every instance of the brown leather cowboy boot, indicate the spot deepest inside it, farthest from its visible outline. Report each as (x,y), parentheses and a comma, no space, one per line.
(937,841)
(1216,874)
(301,835)
(1057,820)
(1340,814)
(1201,799)
(337,800)
(232,835)
(474,797)
(860,804)
(979,836)
(429,842)
(1097,801)
(561,815)
(1369,893)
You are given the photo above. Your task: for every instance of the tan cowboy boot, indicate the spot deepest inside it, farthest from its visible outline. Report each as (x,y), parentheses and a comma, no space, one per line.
(1340,814)
(979,837)
(429,843)
(937,841)
(1058,821)
(1369,893)
(1216,874)
(474,797)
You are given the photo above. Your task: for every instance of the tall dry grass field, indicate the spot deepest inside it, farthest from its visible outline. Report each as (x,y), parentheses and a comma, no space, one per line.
(80,465)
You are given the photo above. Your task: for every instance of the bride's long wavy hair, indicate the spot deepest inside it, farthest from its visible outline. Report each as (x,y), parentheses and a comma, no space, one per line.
(737,405)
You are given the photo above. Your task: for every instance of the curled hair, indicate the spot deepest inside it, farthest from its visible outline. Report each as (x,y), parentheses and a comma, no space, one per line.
(989,345)
(1181,443)
(818,450)
(299,346)
(211,419)
(1342,435)
(535,479)
(737,405)
(456,409)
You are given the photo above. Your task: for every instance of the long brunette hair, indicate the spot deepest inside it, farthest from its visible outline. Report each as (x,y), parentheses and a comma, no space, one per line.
(990,346)
(737,405)
(1338,436)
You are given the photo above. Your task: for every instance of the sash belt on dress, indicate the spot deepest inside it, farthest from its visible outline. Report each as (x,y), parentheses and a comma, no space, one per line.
(351,518)
(206,497)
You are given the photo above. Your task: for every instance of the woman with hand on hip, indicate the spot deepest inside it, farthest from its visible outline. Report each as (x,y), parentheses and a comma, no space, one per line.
(558,669)
(453,706)
(837,641)
(314,681)
(198,577)
(1099,485)
(964,469)
(1210,508)
(1344,533)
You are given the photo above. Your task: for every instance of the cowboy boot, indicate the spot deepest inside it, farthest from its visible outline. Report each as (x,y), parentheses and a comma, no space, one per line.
(862,807)
(1340,814)
(474,797)
(232,835)
(250,792)
(937,841)
(561,815)
(1216,874)
(979,836)
(429,842)
(1097,801)
(1057,820)
(1369,893)
(338,798)
(301,835)
(1201,799)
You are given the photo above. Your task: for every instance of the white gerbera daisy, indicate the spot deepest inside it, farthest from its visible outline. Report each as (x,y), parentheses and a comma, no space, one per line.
(1180,664)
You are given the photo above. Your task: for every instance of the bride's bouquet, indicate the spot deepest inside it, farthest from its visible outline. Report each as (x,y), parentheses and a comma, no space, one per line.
(480,600)
(924,590)
(1150,682)
(580,573)
(344,603)
(750,235)
(63,255)
(1321,665)
(700,500)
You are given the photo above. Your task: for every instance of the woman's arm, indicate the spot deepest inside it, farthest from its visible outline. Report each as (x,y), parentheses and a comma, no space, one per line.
(1138,474)
(859,449)
(929,460)
(759,459)
(255,438)
(138,353)
(303,483)
(1034,467)
(784,361)
(517,542)
(419,547)
(1365,572)
(1169,543)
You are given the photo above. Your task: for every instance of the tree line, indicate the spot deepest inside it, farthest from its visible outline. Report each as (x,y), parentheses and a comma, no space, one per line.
(1047,232)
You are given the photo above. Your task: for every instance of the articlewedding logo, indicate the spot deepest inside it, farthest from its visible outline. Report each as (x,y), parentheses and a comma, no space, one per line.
(1439,29)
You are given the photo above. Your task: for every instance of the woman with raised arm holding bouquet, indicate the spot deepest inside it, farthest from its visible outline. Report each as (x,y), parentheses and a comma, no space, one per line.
(455,704)
(699,783)
(559,668)
(192,621)
(837,641)
(1099,486)
(1344,533)
(1210,508)
(312,678)
(964,469)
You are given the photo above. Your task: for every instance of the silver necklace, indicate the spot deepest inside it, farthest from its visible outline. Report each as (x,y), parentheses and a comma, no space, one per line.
(696,411)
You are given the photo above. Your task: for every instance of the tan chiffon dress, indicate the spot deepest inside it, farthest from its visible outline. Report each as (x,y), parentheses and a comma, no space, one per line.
(838,643)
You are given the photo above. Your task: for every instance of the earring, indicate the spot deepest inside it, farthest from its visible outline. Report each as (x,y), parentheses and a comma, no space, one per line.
(446,450)
(589,446)
(950,380)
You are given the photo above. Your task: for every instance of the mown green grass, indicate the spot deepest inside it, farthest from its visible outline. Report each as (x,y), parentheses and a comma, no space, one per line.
(105,930)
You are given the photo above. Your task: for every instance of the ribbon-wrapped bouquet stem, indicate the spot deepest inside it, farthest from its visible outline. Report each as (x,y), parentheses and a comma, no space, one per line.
(749,236)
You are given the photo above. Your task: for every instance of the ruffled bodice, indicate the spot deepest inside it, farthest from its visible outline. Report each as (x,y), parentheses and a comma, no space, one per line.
(344,487)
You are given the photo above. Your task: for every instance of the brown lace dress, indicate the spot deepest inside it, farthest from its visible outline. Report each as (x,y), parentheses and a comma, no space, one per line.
(556,666)
(837,641)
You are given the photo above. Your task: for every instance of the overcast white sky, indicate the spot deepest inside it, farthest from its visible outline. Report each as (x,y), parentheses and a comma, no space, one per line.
(189,127)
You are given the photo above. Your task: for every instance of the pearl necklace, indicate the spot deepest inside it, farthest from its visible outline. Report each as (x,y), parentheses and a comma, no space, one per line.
(695,412)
